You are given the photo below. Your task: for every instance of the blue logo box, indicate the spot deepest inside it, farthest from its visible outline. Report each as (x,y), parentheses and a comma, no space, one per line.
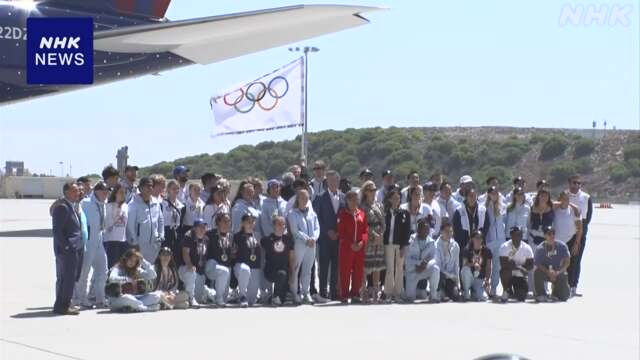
(59,51)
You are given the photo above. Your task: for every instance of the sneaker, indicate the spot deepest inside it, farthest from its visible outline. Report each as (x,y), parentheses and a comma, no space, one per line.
(220,303)
(306,299)
(317,298)
(69,311)
(434,300)
(541,299)
(194,304)
(574,292)
(243,302)
(356,300)
(276,301)
(296,299)
(505,297)
(422,294)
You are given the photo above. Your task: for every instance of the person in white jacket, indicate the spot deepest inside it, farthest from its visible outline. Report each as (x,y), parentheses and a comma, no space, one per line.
(95,256)
(145,222)
(130,282)
(305,231)
(115,233)
(421,264)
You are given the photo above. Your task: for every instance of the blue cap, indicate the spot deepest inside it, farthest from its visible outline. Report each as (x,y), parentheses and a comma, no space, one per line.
(199,221)
(179,170)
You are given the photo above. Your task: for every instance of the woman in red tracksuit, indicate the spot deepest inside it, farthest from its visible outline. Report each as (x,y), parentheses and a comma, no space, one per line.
(353,235)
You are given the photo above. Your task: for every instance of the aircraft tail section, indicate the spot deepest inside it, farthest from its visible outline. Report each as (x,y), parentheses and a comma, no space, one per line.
(152,9)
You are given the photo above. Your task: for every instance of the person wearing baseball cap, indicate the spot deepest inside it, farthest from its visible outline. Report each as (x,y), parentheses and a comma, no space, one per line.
(552,260)
(193,263)
(181,174)
(465,183)
(387,181)
(145,221)
(95,256)
(129,181)
(273,205)
(516,261)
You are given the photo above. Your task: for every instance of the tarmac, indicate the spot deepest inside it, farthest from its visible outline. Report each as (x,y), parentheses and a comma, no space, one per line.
(604,323)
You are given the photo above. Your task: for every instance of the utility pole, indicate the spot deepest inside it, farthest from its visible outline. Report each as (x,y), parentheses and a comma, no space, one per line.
(306,50)
(61,169)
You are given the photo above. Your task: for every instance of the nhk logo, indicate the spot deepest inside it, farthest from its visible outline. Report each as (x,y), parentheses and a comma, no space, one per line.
(60,51)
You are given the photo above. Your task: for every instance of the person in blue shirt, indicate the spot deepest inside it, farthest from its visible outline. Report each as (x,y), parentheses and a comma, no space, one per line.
(552,260)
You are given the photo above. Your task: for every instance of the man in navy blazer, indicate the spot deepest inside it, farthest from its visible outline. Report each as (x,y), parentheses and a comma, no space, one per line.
(326,207)
(68,248)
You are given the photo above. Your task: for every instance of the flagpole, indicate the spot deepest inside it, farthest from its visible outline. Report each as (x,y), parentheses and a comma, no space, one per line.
(306,50)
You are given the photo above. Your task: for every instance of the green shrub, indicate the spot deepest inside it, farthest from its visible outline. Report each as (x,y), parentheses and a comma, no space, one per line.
(553,147)
(634,167)
(584,165)
(559,172)
(631,151)
(618,173)
(583,147)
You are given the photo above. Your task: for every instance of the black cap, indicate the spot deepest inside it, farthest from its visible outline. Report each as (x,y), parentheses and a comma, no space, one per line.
(101,185)
(515,229)
(387,173)
(144,182)
(247,216)
(549,229)
(366,172)
(131,167)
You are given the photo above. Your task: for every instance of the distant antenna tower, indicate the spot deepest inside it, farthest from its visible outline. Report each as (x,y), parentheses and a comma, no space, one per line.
(594,130)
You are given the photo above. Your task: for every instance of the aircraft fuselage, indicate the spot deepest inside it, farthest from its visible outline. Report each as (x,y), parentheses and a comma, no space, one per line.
(108,66)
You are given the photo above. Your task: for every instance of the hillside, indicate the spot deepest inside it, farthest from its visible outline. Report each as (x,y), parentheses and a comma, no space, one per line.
(610,163)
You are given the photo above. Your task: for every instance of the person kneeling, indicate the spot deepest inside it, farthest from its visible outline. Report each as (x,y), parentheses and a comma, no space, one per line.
(516,260)
(247,268)
(128,284)
(220,257)
(552,260)
(420,263)
(476,270)
(166,283)
(279,259)
(448,259)
(194,250)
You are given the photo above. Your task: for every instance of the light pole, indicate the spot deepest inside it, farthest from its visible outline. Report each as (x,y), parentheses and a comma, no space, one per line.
(61,169)
(306,50)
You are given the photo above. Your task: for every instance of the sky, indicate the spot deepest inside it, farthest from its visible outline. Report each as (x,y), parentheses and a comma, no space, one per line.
(423,63)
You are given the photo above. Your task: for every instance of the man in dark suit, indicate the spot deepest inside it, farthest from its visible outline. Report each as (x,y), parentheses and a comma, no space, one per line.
(68,248)
(326,207)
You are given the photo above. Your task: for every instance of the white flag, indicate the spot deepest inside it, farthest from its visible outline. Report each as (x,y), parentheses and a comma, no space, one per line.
(274,101)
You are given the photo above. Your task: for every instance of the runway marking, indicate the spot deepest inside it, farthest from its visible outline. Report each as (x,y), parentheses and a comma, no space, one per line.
(41,349)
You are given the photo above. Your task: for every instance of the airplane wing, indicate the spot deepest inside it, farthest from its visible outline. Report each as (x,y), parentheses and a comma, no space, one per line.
(210,39)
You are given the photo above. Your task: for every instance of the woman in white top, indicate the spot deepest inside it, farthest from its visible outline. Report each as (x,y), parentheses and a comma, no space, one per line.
(173,211)
(216,204)
(194,207)
(415,206)
(496,213)
(115,240)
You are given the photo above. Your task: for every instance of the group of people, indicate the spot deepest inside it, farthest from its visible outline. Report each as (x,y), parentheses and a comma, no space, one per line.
(148,244)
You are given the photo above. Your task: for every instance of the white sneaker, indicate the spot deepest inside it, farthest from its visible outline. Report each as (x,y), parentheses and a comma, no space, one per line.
(319,299)
(243,302)
(275,301)
(194,304)
(306,299)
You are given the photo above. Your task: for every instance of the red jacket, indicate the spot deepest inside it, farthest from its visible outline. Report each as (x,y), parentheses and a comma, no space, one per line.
(352,229)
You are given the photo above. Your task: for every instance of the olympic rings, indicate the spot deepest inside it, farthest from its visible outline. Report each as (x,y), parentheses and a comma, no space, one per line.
(256,97)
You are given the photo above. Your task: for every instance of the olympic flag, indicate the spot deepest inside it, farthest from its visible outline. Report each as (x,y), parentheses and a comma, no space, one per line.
(274,101)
